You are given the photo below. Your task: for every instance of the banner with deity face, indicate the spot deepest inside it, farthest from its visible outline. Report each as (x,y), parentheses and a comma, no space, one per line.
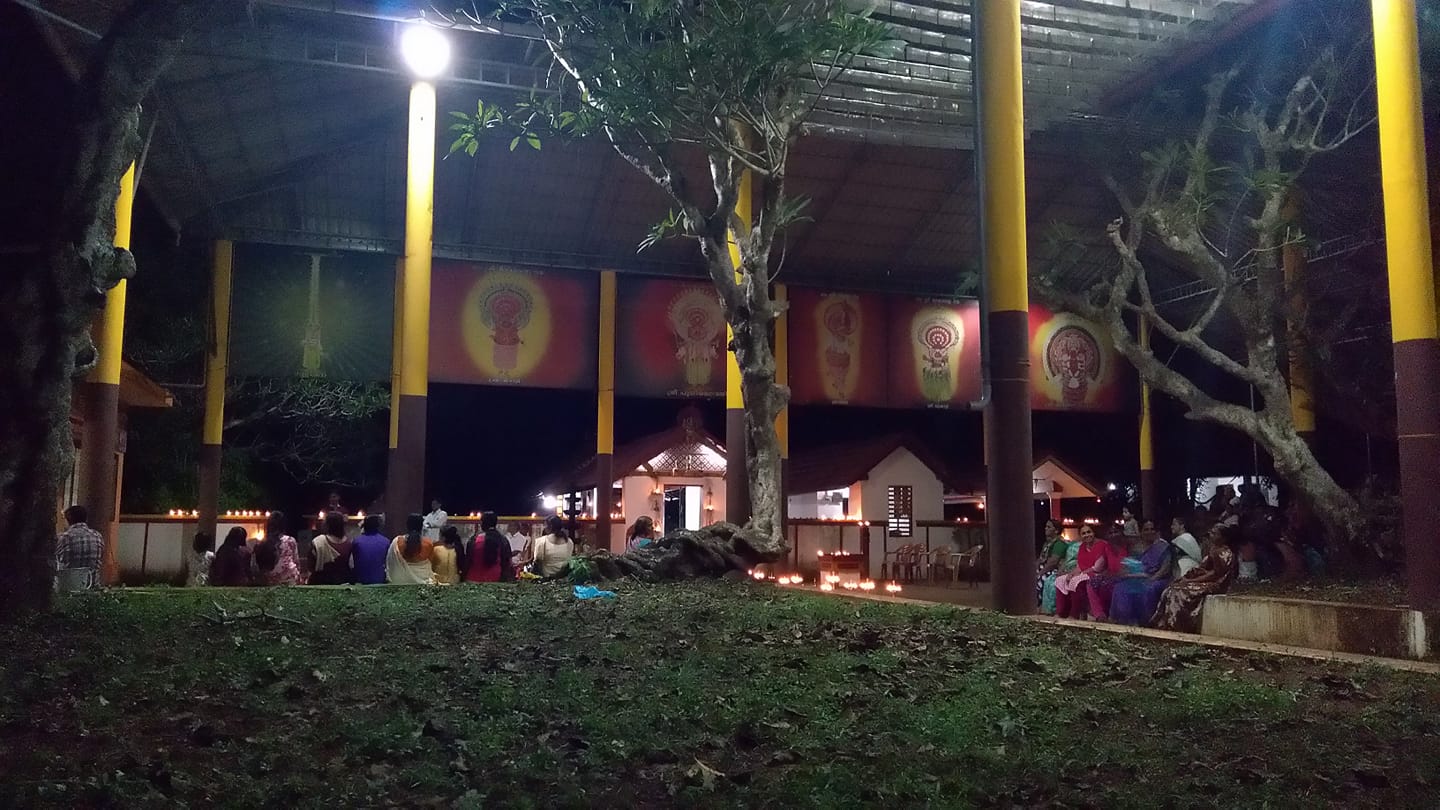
(934,353)
(669,339)
(496,325)
(837,344)
(1074,366)
(311,313)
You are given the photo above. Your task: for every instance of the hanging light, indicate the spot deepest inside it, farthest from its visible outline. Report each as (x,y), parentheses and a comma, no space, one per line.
(425,50)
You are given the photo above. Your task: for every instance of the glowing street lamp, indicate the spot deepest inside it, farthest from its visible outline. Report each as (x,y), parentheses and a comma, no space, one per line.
(425,50)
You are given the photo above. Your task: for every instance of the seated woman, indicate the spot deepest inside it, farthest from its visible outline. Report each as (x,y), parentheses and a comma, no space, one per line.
(1072,591)
(276,557)
(333,563)
(202,554)
(1138,592)
(1182,602)
(554,550)
(1102,584)
(1248,554)
(490,553)
(368,552)
(1292,562)
(1184,546)
(231,566)
(448,557)
(1057,558)
(408,561)
(640,534)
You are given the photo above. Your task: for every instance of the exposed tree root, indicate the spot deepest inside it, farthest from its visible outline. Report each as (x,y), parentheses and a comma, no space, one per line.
(713,551)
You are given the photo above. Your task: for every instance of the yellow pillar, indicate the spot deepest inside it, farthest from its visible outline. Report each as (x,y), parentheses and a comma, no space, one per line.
(217,364)
(1001,168)
(397,339)
(1301,375)
(1149,495)
(109,329)
(99,460)
(737,482)
(782,368)
(1414,328)
(414,307)
(392,463)
(605,413)
(782,420)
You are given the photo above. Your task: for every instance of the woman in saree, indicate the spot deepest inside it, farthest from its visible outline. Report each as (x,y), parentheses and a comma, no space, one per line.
(1095,558)
(1138,591)
(331,550)
(1101,584)
(490,553)
(448,557)
(1183,601)
(1057,557)
(408,561)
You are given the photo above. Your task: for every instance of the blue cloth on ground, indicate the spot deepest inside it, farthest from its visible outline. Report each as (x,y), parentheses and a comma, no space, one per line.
(592,592)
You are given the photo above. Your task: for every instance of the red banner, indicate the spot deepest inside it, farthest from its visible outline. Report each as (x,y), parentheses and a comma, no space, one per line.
(934,353)
(837,351)
(669,339)
(497,325)
(1074,366)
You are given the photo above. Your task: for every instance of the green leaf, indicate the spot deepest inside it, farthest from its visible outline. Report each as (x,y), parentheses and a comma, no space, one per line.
(534,141)
(472,147)
(514,142)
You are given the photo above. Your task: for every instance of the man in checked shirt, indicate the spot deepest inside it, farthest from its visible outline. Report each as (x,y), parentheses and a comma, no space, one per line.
(80,547)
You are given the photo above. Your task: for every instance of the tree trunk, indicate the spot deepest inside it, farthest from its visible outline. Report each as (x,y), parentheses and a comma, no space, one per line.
(751,325)
(36,445)
(47,306)
(1337,512)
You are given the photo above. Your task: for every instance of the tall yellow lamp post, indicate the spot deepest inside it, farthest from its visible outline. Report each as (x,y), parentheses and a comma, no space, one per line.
(426,52)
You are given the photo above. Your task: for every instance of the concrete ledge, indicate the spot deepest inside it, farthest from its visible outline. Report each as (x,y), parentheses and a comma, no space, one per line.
(1343,627)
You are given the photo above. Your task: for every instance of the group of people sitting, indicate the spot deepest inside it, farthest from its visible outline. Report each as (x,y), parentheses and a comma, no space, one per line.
(1135,576)
(372,558)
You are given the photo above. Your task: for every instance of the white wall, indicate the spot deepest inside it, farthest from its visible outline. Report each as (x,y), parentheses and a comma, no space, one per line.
(804,506)
(637,490)
(809,505)
(155,551)
(900,468)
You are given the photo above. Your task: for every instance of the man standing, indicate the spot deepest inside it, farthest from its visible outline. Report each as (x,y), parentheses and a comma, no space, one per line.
(79,551)
(435,521)
(519,538)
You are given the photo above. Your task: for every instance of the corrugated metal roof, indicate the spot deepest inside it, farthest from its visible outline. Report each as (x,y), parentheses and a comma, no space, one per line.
(287,125)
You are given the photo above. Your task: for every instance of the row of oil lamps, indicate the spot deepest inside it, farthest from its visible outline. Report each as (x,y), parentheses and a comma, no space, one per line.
(828,582)
(231,513)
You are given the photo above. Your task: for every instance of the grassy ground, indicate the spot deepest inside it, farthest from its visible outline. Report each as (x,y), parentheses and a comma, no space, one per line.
(705,695)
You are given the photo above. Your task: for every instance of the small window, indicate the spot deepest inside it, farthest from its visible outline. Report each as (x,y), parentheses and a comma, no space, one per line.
(900,502)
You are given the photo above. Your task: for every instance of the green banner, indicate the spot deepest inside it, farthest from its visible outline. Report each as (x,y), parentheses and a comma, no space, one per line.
(299,313)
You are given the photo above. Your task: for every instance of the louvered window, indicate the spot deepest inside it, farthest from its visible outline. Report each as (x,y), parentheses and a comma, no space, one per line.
(900,508)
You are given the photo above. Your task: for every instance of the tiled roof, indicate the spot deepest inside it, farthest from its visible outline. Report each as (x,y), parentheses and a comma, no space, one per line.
(840,465)
(680,445)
